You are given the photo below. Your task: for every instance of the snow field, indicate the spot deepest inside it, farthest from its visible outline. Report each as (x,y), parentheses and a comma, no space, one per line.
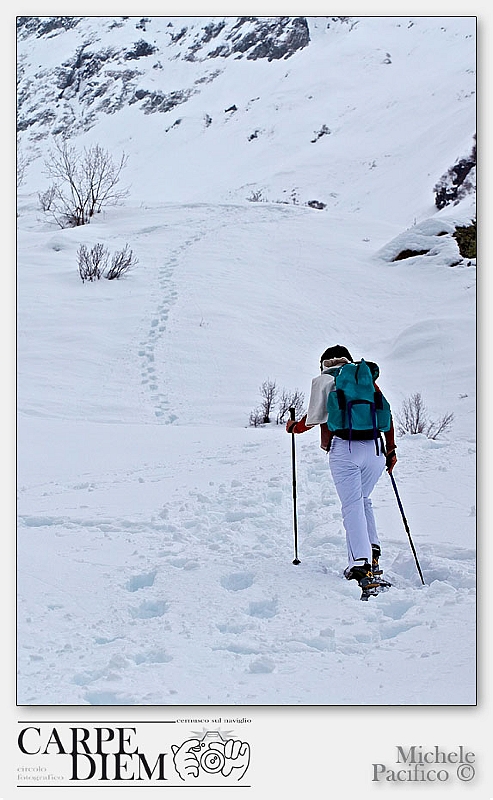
(171,574)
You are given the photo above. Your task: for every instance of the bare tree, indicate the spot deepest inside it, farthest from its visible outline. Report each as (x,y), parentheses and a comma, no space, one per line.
(284,401)
(287,400)
(83,184)
(102,176)
(268,390)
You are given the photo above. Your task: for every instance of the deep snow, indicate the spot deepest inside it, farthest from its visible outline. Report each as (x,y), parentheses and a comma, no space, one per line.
(155,531)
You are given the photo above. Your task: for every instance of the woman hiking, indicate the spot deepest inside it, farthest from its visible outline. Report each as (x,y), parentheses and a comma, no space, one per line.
(357,456)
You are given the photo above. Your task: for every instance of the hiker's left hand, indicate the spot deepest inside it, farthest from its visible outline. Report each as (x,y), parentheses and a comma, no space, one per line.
(390,461)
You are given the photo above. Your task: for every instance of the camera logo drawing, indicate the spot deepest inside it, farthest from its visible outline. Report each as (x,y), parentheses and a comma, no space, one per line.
(212,755)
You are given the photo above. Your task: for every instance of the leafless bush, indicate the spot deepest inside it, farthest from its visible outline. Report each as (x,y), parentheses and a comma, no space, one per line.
(92,263)
(256,417)
(99,256)
(86,271)
(121,263)
(414,419)
(440,426)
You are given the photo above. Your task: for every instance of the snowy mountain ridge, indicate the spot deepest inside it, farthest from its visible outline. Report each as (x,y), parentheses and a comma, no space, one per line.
(103,74)
(231,93)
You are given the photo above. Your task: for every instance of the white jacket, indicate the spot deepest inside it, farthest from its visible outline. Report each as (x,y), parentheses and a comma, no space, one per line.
(321,386)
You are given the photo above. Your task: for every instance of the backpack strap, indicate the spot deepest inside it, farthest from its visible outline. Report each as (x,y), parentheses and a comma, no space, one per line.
(341,399)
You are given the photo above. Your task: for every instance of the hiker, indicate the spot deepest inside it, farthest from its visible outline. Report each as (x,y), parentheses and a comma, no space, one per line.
(357,458)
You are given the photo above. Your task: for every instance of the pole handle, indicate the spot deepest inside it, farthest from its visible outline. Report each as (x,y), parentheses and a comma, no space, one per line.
(292,413)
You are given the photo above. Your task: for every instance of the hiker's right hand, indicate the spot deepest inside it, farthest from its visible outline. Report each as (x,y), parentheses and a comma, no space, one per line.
(297,427)
(390,461)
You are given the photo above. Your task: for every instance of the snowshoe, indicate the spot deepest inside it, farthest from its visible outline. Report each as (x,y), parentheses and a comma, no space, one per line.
(369,584)
(381,585)
(373,587)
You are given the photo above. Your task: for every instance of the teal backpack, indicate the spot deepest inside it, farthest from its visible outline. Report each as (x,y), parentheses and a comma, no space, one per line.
(355,408)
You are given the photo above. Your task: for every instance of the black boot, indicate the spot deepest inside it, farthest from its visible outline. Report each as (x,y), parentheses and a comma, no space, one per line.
(375,553)
(361,573)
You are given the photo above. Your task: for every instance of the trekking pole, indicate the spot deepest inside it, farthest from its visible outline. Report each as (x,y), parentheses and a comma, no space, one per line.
(295,516)
(406,526)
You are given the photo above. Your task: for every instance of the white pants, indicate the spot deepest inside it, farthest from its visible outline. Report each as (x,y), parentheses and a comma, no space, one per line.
(355,472)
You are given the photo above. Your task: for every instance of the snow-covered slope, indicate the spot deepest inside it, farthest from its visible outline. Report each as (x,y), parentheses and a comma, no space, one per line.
(155,527)
(323,122)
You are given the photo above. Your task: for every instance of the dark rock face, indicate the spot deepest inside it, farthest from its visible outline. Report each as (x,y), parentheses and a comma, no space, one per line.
(273,39)
(140,49)
(157,101)
(409,254)
(457,182)
(251,37)
(44,26)
(84,66)
(102,78)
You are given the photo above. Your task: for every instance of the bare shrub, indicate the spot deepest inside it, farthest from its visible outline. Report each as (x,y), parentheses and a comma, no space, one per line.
(256,417)
(121,263)
(84,262)
(440,426)
(92,263)
(99,257)
(414,419)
